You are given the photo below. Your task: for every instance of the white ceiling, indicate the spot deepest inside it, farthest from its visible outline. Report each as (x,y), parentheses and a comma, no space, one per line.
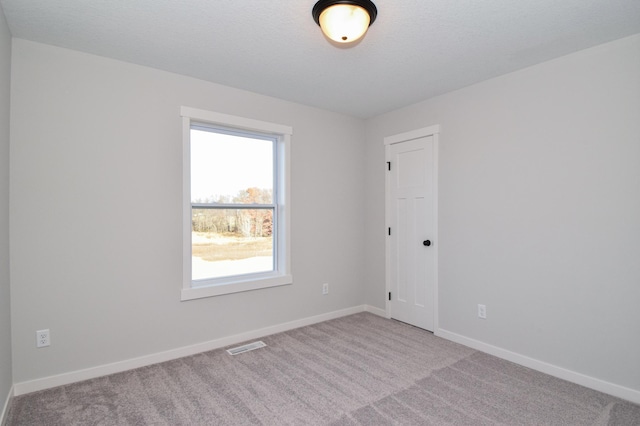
(416,49)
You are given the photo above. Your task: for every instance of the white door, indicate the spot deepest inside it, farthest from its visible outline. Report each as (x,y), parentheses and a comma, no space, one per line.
(411,241)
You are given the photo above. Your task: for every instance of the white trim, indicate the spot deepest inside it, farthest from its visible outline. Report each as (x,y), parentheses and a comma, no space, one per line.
(413,134)
(235,286)
(553,370)
(282,274)
(284,206)
(436,246)
(433,131)
(5,407)
(234,121)
(117,367)
(186,202)
(143,361)
(376,311)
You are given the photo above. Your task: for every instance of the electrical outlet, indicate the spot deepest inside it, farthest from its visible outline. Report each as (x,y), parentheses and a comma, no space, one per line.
(325,288)
(482,311)
(42,338)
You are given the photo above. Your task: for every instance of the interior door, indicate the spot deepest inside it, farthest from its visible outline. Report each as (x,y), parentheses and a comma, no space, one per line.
(411,218)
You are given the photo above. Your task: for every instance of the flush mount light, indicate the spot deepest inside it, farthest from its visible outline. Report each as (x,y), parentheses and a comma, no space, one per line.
(344,21)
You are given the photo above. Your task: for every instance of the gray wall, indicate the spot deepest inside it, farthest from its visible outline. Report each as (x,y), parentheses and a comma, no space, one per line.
(539,206)
(5,307)
(539,210)
(96,212)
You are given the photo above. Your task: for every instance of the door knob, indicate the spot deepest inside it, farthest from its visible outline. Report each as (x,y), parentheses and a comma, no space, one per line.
(426,243)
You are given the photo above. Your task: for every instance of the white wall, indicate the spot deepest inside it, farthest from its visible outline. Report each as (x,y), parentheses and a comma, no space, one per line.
(539,210)
(5,307)
(95,212)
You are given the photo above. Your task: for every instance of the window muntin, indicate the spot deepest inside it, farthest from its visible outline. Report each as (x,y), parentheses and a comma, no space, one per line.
(235,214)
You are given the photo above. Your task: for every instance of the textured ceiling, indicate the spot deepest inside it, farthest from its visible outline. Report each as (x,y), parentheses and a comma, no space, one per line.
(416,49)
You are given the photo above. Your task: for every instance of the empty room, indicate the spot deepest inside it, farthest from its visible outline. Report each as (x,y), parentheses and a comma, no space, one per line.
(334,212)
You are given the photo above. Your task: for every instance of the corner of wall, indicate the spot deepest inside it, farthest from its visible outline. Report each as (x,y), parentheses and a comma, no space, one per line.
(6,408)
(6,365)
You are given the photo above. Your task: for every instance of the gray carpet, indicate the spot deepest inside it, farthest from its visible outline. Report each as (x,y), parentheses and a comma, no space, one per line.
(357,370)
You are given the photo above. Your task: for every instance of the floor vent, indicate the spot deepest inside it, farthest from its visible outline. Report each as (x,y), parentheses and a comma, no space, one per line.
(246,348)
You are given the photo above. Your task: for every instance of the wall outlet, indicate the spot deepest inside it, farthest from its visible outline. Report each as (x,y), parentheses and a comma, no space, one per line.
(482,311)
(325,288)
(42,338)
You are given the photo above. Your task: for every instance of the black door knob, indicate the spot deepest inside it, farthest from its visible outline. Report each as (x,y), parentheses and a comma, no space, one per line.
(426,243)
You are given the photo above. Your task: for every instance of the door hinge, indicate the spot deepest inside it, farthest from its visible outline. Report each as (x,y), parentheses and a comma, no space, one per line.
(389,295)
(388,165)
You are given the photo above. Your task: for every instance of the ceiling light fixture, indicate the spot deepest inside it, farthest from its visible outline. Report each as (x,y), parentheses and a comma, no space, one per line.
(344,21)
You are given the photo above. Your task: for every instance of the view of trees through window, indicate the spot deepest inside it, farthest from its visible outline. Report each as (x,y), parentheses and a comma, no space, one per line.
(232,204)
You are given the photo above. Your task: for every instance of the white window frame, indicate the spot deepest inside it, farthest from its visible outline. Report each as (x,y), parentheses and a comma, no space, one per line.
(281,275)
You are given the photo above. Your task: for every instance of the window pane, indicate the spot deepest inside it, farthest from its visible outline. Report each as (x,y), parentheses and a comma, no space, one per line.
(230,168)
(226,242)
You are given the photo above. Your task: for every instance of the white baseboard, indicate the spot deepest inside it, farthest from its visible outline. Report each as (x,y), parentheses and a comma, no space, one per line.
(375,311)
(553,370)
(143,361)
(5,407)
(117,367)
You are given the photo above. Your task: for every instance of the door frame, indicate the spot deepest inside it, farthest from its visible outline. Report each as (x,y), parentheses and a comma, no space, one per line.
(388,141)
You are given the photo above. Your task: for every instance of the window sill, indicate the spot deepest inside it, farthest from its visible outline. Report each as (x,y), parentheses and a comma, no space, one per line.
(234,287)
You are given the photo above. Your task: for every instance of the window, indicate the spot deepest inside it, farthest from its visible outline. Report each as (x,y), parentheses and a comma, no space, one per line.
(235,204)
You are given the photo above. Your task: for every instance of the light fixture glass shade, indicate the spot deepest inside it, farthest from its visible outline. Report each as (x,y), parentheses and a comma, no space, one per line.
(344,23)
